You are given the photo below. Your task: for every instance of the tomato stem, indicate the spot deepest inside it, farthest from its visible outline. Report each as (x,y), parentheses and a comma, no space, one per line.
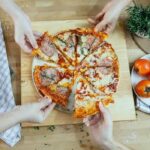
(147,89)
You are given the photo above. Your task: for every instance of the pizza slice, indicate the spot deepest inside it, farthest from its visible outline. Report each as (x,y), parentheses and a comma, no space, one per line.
(104,56)
(87,99)
(103,78)
(88,41)
(67,42)
(54,82)
(48,51)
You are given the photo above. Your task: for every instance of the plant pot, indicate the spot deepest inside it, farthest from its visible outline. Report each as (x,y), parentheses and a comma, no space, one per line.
(141,35)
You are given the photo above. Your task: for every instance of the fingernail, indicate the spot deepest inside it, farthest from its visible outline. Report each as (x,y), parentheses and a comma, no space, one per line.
(49,102)
(100,104)
(48,99)
(36,46)
(95,30)
(84,120)
(87,124)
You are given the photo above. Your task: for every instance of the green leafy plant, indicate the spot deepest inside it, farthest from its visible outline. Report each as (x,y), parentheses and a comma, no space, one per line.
(139,20)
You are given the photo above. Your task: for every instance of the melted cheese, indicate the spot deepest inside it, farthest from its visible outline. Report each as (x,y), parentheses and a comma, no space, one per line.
(102,80)
(106,80)
(106,54)
(65,82)
(60,44)
(83,39)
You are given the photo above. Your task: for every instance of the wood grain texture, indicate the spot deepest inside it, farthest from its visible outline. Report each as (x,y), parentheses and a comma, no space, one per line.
(29,94)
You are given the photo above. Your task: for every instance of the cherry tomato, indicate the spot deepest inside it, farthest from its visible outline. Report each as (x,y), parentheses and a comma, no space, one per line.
(142,66)
(143,88)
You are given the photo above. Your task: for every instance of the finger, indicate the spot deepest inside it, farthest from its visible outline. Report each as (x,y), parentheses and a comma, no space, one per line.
(105,113)
(100,26)
(48,109)
(26,48)
(44,103)
(86,121)
(32,40)
(109,28)
(100,15)
(95,119)
(20,40)
(92,120)
(91,21)
(37,34)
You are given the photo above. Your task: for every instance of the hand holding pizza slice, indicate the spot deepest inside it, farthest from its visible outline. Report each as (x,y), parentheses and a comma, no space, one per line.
(54,82)
(87,99)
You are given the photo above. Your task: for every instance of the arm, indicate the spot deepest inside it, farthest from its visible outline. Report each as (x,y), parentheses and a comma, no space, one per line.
(34,112)
(11,8)
(23,32)
(100,127)
(106,19)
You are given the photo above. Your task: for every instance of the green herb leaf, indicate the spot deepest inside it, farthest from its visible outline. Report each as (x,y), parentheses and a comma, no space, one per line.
(139,20)
(51,128)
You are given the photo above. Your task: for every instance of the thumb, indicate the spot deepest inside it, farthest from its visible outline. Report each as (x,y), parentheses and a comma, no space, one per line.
(105,113)
(49,109)
(100,26)
(92,120)
(100,15)
(92,21)
(44,103)
(32,40)
(110,27)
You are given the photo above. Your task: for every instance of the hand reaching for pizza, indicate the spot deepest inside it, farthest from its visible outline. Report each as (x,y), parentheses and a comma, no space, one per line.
(33,112)
(24,36)
(101,130)
(100,126)
(36,112)
(106,19)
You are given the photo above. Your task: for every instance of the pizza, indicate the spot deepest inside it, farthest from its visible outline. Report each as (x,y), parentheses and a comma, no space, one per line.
(67,41)
(86,66)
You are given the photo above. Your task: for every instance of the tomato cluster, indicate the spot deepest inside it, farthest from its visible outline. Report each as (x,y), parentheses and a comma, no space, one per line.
(142,67)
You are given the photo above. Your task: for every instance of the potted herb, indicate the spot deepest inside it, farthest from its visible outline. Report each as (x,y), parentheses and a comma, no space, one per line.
(139,21)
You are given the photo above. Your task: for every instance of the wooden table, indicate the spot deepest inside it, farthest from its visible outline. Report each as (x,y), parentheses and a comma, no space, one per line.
(134,134)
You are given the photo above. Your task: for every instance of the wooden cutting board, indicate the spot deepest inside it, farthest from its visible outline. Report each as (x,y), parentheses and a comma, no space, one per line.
(122,109)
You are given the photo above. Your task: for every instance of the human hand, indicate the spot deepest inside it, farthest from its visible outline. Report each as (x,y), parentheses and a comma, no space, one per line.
(100,126)
(106,19)
(24,35)
(36,112)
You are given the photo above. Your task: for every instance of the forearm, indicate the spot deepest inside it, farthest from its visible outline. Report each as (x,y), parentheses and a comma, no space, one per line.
(124,2)
(9,119)
(112,145)
(11,8)
(121,4)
